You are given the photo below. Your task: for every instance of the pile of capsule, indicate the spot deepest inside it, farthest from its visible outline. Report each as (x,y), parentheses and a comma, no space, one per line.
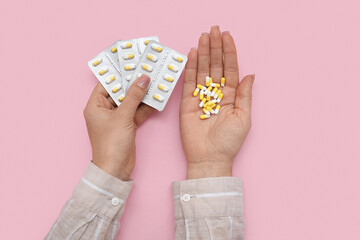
(210,96)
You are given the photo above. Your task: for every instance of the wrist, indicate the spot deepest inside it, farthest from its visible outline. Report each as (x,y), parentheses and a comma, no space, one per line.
(114,169)
(209,169)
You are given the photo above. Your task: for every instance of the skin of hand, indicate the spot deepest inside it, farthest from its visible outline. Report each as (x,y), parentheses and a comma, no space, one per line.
(210,145)
(112,129)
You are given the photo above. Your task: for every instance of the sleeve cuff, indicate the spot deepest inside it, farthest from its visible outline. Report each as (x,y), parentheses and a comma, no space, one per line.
(101,193)
(206,197)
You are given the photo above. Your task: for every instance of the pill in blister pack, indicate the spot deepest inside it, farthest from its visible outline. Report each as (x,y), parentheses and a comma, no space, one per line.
(129,53)
(106,68)
(164,66)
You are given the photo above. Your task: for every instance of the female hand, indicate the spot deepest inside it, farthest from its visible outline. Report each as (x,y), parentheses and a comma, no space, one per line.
(210,145)
(112,129)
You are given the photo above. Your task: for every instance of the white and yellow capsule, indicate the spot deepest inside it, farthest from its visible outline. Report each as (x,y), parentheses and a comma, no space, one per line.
(147,67)
(126,45)
(116,88)
(163,88)
(214,91)
(113,49)
(128,56)
(151,57)
(103,71)
(222,81)
(221,95)
(168,78)
(202,103)
(110,79)
(196,92)
(176,57)
(207,81)
(217,109)
(128,77)
(97,61)
(121,97)
(129,67)
(217,85)
(158,97)
(217,93)
(199,86)
(146,42)
(208,90)
(206,111)
(156,47)
(201,96)
(173,68)
(202,117)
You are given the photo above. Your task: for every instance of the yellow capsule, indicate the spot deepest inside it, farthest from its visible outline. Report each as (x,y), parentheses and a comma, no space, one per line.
(146,42)
(196,92)
(116,88)
(177,58)
(128,56)
(158,97)
(214,91)
(199,86)
(208,97)
(204,110)
(151,57)
(103,71)
(217,109)
(202,117)
(217,85)
(121,97)
(221,95)
(208,90)
(207,81)
(163,88)
(201,97)
(210,80)
(202,103)
(110,79)
(97,61)
(147,67)
(209,109)
(156,47)
(126,45)
(129,67)
(167,77)
(222,82)
(212,104)
(113,49)
(173,68)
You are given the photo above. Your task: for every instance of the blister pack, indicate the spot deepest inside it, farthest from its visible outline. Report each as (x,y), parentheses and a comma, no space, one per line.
(164,66)
(105,67)
(129,54)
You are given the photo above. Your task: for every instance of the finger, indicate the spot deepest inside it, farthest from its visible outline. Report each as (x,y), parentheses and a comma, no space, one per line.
(190,73)
(216,54)
(112,101)
(243,94)
(203,58)
(142,113)
(231,69)
(99,97)
(134,96)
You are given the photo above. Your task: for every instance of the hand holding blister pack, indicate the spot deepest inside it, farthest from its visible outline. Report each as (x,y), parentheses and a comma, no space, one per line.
(106,68)
(129,54)
(164,66)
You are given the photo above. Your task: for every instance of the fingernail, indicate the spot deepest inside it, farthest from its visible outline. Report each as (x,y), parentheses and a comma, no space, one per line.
(194,49)
(226,32)
(143,81)
(253,78)
(205,34)
(215,27)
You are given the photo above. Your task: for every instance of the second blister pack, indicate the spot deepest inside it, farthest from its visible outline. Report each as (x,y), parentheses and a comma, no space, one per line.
(129,54)
(164,66)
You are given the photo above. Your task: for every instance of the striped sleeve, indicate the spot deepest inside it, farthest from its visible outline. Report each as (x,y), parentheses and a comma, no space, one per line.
(209,208)
(94,210)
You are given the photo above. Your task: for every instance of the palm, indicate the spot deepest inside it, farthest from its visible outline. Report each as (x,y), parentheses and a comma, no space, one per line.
(220,137)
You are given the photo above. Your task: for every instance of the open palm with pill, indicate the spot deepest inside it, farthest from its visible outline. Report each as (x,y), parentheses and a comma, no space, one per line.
(210,144)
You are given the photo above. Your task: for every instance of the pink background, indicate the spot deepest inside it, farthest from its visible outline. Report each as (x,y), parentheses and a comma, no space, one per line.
(300,163)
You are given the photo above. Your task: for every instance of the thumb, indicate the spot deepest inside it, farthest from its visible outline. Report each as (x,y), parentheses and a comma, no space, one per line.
(134,95)
(243,94)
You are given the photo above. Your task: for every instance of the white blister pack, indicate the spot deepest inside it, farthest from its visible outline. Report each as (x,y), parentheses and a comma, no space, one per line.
(105,67)
(129,54)
(164,66)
